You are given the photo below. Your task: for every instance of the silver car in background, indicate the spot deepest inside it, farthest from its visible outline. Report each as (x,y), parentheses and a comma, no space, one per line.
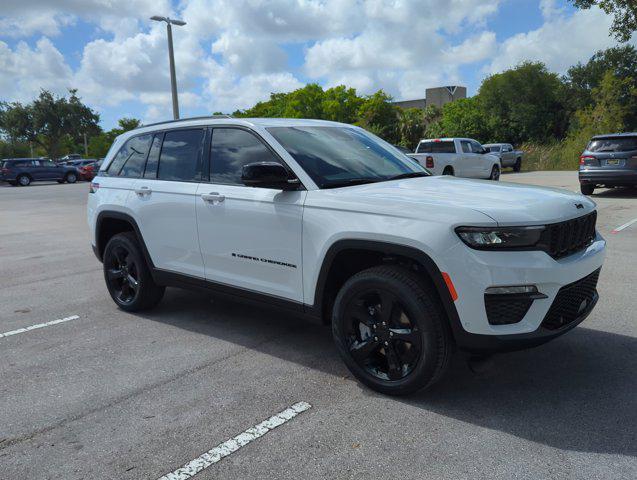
(508,156)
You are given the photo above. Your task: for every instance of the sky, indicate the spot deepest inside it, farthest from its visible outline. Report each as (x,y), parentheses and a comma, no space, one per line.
(233,53)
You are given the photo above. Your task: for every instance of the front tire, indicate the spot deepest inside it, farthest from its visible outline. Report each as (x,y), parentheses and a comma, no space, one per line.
(495,173)
(127,275)
(390,330)
(518,165)
(587,189)
(70,178)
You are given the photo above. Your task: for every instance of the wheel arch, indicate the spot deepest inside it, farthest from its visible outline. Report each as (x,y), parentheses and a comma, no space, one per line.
(111,223)
(329,282)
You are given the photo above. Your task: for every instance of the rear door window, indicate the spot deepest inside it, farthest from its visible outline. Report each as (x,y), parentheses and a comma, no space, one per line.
(181,155)
(153,157)
(616,144)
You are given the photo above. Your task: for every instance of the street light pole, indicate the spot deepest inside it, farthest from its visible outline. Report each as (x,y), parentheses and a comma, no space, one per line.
(173,78)
(171,58)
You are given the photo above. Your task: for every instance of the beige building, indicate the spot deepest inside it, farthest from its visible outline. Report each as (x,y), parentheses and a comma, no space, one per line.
(435,96)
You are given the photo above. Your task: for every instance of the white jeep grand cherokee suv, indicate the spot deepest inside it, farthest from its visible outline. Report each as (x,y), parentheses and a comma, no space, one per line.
(331,221)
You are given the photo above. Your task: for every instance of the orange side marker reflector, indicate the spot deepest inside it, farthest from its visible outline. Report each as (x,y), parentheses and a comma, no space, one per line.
(452,289)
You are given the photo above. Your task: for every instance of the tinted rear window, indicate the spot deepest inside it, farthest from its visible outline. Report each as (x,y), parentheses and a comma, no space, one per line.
(20,163)
(436,147)
(623,144)
(130,159)
(180,158)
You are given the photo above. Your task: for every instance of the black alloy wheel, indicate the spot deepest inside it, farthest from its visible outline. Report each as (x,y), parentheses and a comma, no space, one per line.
(380,335)
(127,275)
(391,330)
(122,275)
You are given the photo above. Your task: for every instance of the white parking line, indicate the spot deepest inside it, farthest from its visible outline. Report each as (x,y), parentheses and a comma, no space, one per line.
(224,449)
(625,225)
(39,325)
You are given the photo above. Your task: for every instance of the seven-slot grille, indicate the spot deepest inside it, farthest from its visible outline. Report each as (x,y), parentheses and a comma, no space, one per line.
(571,302)
(562,239)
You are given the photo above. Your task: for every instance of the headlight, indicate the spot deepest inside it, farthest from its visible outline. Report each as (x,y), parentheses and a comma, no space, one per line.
(503,238)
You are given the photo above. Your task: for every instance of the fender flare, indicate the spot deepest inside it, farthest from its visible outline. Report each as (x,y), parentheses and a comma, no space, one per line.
(112,214)
(431,268)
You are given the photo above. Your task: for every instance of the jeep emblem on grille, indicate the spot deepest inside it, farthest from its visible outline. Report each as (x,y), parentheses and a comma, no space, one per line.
(579,205)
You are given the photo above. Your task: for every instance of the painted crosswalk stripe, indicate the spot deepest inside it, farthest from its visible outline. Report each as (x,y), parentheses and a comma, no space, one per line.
(228,447)
(625,225)
(39,325)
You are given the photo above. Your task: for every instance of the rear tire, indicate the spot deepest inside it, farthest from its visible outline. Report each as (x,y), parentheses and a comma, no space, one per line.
(587,189)
(407,353)
(518,165)
(24,180)
(448,171)
(127,275)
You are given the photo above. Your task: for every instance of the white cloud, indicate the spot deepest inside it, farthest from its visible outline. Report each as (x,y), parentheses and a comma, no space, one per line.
(26,70)
(560,42)
(28,17)
(233,53)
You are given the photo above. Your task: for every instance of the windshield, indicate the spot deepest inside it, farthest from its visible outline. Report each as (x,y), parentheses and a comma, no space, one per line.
(616,144)
(340,156)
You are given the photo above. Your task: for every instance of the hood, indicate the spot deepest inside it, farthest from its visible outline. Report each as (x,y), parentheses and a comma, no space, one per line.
(506,203)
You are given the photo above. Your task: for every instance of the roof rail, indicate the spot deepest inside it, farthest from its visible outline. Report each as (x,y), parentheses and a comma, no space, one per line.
(205,117)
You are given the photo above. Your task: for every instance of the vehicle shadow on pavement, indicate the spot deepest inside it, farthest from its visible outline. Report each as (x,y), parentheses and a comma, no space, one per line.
(616,193)
(577,393)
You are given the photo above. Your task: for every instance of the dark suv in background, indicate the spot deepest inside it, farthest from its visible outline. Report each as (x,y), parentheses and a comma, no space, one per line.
(23,171)
(609,161)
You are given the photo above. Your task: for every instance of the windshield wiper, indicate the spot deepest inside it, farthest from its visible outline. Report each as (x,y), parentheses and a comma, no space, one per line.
(349,182)
(409,175)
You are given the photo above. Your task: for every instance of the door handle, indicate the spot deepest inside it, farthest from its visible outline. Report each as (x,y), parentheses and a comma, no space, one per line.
(143,191)
(213,197)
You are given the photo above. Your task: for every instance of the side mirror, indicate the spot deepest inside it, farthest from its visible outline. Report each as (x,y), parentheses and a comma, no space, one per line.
(268,175)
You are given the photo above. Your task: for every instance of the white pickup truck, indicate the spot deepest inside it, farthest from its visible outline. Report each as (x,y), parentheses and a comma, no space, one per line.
(462,157)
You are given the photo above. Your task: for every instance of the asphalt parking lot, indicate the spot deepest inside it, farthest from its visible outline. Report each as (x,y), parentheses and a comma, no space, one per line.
(123,396)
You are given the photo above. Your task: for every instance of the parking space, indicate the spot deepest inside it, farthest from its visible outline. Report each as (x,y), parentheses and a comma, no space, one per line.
(107,394)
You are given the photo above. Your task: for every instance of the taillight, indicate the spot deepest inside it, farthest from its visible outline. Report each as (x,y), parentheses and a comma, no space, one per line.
(429,162)
(4,170)
(584,158)
(94,187)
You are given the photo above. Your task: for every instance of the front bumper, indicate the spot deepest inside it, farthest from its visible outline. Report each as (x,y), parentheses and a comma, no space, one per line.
(473,271)
(605,176)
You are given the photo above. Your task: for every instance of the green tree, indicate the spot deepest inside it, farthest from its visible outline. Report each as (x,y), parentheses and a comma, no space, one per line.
(378,115)
(98,145)
(608,114)
(524,103)
(583,78)
(411,127)
(341,104)
(465,117)
(49,121)
(624,15)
